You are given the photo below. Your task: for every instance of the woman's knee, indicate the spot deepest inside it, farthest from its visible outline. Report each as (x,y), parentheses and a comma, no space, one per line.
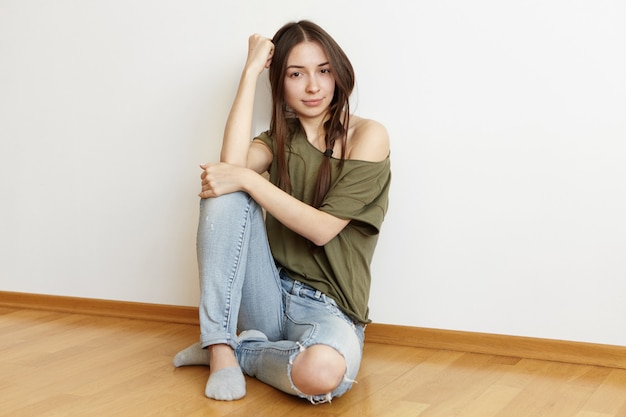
(227,208)
(225,202)
(318,370)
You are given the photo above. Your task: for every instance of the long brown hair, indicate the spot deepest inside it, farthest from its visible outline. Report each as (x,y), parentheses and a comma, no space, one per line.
(336,127)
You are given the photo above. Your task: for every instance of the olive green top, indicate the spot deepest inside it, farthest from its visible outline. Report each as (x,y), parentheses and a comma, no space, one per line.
(359,192)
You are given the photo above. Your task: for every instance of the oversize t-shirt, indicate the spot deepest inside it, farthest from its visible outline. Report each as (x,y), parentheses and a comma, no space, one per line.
(359,192)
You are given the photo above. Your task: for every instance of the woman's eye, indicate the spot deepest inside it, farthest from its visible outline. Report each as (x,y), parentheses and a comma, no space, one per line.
(325,71)
(295,74)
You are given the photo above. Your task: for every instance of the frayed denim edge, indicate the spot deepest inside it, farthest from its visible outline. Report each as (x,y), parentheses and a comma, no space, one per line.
(322,398)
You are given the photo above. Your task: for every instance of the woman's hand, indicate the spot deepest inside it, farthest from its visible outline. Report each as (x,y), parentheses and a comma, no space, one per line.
(260,53)
(317,226)
(221,178)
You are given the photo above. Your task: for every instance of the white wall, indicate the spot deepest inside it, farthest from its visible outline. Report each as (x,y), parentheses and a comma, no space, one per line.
(508,145)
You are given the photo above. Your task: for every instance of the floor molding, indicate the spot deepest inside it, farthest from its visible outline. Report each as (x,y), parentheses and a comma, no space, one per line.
(503,345)
(492,344)
(109,308)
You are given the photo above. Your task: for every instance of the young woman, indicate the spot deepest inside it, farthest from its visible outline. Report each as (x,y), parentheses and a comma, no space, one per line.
(295,284)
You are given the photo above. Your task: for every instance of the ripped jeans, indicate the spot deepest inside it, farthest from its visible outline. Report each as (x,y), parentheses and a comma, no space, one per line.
(243,289)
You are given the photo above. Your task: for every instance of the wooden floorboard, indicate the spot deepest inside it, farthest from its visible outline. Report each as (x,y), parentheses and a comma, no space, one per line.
(439,339)
(64,364)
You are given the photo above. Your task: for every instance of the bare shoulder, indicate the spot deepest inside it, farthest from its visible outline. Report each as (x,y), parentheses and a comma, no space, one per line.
(368,140)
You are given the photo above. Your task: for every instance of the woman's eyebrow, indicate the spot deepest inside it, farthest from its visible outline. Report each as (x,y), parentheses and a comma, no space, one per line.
(302,66)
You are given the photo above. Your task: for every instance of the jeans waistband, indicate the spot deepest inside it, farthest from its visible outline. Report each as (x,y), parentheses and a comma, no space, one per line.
(300,289)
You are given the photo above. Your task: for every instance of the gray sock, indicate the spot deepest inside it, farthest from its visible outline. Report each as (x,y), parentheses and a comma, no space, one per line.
(193,355)
(226,384)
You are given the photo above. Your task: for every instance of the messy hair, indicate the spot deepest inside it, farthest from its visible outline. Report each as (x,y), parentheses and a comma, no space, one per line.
(336,127)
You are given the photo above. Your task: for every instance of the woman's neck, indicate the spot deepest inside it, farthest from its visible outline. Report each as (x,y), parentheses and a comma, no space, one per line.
(315,132)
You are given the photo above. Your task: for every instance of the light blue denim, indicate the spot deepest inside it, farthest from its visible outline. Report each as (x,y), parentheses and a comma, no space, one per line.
(243,289)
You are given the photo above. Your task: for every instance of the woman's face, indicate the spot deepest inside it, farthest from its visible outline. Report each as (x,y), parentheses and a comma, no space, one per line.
(309,82)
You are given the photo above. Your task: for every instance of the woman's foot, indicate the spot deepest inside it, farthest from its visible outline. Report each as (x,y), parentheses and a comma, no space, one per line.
(226,382)
(193,355)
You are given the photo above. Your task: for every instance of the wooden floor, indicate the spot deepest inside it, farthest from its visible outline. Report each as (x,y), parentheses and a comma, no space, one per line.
(57,364)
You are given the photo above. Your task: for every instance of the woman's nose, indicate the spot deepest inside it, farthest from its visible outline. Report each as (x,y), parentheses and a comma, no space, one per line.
(313,85)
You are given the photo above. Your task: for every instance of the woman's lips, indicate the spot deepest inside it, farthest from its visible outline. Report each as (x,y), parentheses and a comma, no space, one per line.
(313,103)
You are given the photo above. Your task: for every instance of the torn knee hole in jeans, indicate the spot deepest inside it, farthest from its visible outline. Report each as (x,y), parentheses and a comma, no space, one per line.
(320,398)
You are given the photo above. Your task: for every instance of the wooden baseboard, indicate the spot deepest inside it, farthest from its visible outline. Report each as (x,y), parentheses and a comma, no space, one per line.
(492,344)
(503,345)
(109,308)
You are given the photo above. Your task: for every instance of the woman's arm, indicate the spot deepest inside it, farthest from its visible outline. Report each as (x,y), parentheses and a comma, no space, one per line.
(237,133)
(315,225)
(369,142)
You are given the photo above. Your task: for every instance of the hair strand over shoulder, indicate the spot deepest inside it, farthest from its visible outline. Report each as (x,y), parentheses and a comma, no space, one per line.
(337,124)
